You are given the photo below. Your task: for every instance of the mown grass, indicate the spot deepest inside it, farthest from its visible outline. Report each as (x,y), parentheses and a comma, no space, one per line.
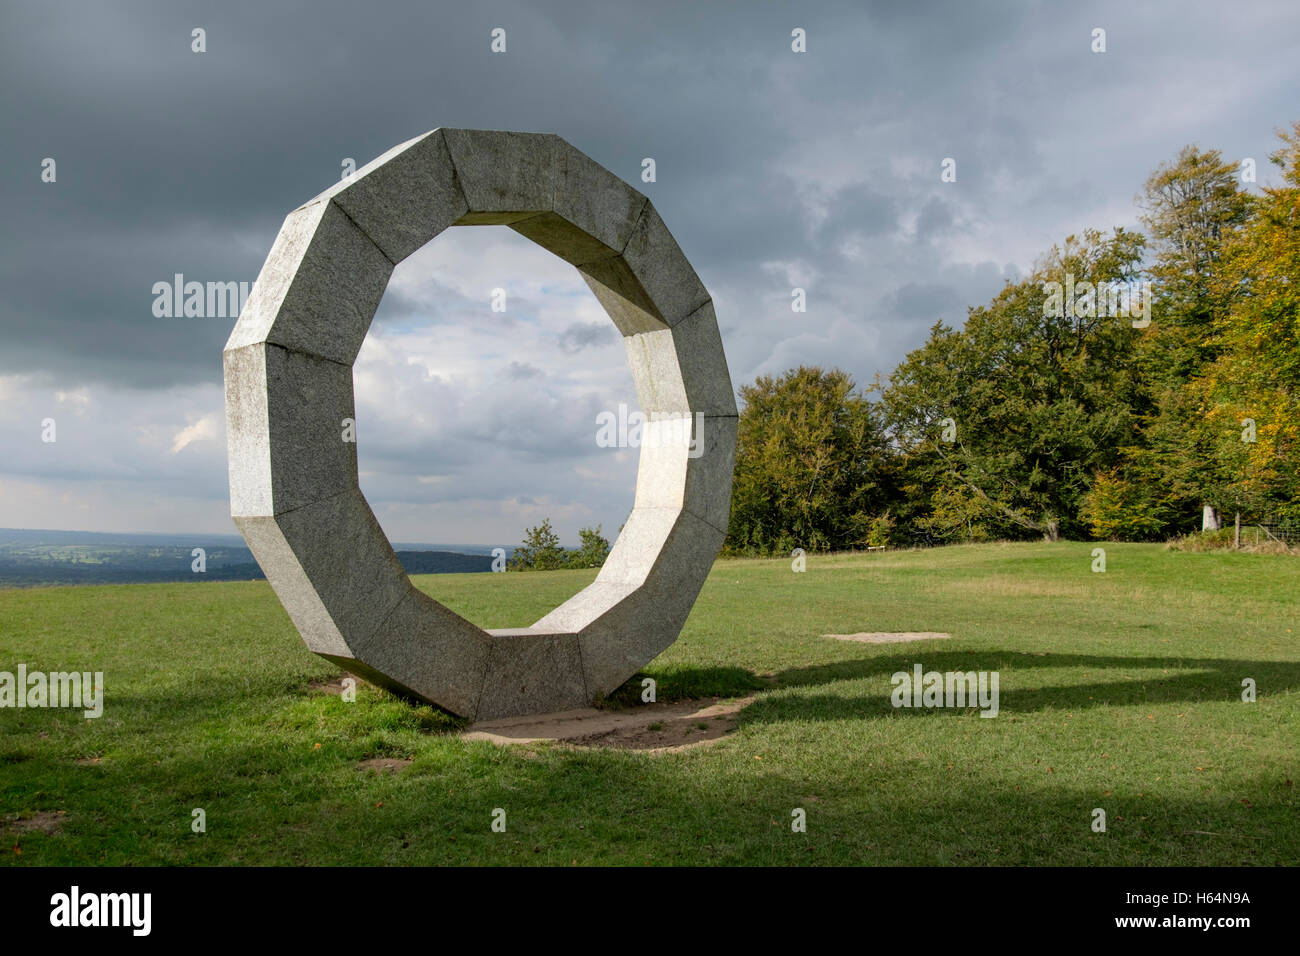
(1119,690)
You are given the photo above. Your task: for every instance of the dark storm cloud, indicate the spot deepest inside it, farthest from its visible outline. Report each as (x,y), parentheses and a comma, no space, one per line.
(171,161)
(923,302)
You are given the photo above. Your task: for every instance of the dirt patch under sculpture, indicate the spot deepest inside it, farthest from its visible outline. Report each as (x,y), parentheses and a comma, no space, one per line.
(654,728)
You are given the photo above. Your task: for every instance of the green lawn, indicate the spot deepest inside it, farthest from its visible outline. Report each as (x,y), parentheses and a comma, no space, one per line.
(1119,690)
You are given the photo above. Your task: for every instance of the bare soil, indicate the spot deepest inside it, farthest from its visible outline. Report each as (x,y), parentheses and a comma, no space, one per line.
(653,728)
(890,637)
(332,687)
(42,821)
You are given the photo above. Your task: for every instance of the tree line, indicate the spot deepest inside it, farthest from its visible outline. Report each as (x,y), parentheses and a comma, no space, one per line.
(1136,385)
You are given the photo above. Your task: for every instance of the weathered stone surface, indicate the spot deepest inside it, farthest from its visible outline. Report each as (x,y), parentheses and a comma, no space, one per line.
(652,357)
(531,672)
(594,212)
(294,490)
(682,369)
(405,197)
(427,651)
(640,600)
(336,547)
(504,176)
(585,606)
(287,413)
(650,285)
(318,289)
(698,346)
(692,475)
(623,639)
(640,544)
(248,431)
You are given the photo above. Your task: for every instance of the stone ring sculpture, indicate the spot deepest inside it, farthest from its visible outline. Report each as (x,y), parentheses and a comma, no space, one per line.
(294,490)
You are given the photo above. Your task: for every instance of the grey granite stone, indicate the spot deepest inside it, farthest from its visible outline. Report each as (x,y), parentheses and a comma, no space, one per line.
(337,547)
(682,369)
(531,673)
(426,651)
(638,628)
(294,490)
(585,606)
(293,584)
(285,419)
(248,431)
(594,213)
(405,197)
(694,477)
(504,176)
(621,296)
(652,357)
(650,285)
(702,365)
(318,289)
(640,544)
(309,402)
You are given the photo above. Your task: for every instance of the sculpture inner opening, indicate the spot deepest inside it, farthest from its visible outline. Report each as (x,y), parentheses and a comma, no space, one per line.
(489,358)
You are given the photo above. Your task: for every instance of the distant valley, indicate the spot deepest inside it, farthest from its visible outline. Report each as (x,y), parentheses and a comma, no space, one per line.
(31,558)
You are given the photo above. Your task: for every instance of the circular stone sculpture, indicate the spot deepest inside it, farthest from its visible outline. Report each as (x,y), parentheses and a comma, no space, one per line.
(293,475)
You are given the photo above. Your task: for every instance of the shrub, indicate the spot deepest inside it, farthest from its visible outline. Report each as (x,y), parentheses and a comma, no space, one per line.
(591,553)
(540,550)
(882,528)
(1119,510)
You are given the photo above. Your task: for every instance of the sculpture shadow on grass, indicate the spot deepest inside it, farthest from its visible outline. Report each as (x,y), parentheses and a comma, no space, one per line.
(1189,680)
(688,683)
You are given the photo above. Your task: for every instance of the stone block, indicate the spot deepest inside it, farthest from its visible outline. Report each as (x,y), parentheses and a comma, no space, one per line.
(405,197)
(692,475)
(680,370)
(594,212)
(284,418)
(427,651)
(634,631)
(531,672)
(330,555)
(319,288)
(504,176)
(650,285)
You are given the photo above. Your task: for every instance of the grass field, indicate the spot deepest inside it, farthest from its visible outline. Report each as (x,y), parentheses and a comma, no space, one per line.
(1119,690)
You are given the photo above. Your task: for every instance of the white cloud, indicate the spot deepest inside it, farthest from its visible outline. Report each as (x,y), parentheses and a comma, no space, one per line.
(205,429)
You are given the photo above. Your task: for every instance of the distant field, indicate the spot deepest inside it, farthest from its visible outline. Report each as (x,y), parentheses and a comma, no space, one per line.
(1119,690)
(52,558)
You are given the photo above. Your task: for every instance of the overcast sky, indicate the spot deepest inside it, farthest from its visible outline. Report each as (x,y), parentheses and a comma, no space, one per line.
(775,169)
